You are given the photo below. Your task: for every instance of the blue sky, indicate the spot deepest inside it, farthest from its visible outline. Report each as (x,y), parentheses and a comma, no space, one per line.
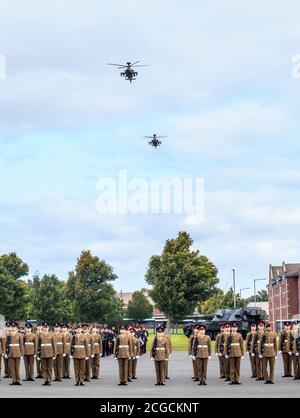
(220,86)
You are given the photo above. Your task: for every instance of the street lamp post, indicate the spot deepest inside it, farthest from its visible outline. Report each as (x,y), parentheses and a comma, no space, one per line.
(234,297)
(256,280)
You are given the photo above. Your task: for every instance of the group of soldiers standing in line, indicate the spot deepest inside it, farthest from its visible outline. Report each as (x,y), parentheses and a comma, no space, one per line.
(52,351)
(262,345)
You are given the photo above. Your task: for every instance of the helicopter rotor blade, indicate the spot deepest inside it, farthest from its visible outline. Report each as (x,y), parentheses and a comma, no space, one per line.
(146,136)
(118,65)
(138,66)
(134,63)
(162,136)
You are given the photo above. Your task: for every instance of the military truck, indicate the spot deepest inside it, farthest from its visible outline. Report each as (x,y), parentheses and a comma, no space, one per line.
(242,316)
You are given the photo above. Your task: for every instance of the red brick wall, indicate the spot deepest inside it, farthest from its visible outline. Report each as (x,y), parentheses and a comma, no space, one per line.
(293,294)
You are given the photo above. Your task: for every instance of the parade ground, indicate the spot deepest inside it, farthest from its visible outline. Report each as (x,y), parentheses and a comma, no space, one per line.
(180,383)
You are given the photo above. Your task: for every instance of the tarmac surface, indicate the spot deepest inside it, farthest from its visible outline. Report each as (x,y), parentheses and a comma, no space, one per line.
(179,385)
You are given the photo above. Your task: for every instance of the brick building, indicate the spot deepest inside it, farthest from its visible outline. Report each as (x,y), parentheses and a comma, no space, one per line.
(284,292)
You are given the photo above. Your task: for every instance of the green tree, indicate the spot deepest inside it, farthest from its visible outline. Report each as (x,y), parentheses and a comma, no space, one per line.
(261,296)
(49,299)
(139,308)
(13,290)
(180,278)
(93,297)
(221,300)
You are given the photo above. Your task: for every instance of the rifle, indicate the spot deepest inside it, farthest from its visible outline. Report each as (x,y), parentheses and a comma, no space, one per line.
(117,346)
(154,347)
(263,342)
(8,339)
(39,349)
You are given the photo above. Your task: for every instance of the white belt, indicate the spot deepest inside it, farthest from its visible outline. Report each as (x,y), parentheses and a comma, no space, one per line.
(96,344)
(202,346)
(160,348)
(269,345)
(28,343)
(285,341)
(59,342)
(79,346)
(67,343)
(14,345)
(234,344)
(46,345)
(123,346)
(90,345)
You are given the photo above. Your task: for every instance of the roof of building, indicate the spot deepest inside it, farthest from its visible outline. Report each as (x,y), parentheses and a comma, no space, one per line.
(285,270)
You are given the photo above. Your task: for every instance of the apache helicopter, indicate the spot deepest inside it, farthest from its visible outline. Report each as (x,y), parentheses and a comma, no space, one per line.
(154,140)
(129,73)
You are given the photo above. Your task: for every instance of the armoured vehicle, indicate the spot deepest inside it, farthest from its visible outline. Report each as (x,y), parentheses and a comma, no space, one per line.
(242,316)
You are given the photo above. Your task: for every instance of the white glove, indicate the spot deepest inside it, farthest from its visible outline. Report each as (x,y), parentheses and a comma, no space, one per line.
(276,357)
(217,354)
(86,358)
(93,355)
(226,356)
(209,357)
(6,356)
(260,356)
(167,359)
(21,358)
(194,358)
(242,357)
(279,352)
(252,355)
(152,358)
(116,358)
(190,356)
(137,357)
(290,353)
(54,358)
(64,355)
(39,358)
(71,357)
(297,354)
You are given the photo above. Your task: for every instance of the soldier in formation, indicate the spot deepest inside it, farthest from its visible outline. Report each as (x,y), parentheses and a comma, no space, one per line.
(160,355)
(190,352)
(201,354)
(250,348)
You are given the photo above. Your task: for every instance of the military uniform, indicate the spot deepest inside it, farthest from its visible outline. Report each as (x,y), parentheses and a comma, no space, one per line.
(295,352)
(79,353)
(285,350)
(202,352)
(30,350)
(14,353)
(38,360)
(170,352)
(122,352)
(67,338)
(250,349)
(95,362)
(2,351)
(234,349)
(219,353)
(221,350)
(160,354)
(255,348)
(190,353)
(7,333)
(135,356)
(47,353)
(90,356)
(59,359)
(268,351)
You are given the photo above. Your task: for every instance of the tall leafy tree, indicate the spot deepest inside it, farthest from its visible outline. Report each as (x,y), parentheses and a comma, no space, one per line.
(221,300)
(50,300)
(180,278)
(139,308)
(12,289)
(89,288)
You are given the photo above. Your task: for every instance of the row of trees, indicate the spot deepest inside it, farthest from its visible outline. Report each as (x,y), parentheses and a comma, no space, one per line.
(87,295)
(180,280)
